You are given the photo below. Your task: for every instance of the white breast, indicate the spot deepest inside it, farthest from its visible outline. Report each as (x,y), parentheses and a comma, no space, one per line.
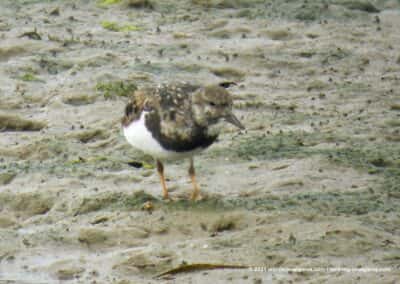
(139,137)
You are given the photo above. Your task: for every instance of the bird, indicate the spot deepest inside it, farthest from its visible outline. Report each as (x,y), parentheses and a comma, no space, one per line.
(174,121)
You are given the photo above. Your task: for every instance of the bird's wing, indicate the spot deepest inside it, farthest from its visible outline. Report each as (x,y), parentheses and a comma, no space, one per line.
(175,111)
(168,105)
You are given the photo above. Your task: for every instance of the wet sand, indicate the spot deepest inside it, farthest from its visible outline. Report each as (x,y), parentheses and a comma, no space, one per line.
(314,181)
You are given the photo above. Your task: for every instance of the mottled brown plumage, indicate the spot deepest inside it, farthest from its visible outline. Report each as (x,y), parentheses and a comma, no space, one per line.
(179,118)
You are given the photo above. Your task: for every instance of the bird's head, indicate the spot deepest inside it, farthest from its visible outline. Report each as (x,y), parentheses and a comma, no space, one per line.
(211,104)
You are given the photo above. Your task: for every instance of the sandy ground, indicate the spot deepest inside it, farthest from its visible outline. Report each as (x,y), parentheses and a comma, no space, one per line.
(314,181)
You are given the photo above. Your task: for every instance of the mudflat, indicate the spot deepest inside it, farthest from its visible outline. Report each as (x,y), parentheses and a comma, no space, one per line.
(313,183)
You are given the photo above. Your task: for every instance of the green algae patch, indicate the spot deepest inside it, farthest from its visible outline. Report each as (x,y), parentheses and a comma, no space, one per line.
(300,145)
(137,199)
(29,77)
(327,204)
(285,145)
(120,201)
(16,123)
(113,201)
(383,160)
(106,3)
(115,27)
(139,4)
(380,160)
(96,203)
(214,203)
(115,89)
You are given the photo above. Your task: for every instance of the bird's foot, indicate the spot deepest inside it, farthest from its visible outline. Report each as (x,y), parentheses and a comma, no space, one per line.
(196,197)
(166,198)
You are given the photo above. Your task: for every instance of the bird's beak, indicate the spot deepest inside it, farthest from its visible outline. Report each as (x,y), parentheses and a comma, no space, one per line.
(231,118)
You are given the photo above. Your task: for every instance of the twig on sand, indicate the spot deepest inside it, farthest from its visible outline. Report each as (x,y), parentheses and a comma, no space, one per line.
(183,268)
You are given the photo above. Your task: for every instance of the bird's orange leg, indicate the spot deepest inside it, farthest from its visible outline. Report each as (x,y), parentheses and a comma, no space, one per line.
(160,170)
(196,189)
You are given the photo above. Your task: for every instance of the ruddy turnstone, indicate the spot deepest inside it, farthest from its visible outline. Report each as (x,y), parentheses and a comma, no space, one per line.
(177,121)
